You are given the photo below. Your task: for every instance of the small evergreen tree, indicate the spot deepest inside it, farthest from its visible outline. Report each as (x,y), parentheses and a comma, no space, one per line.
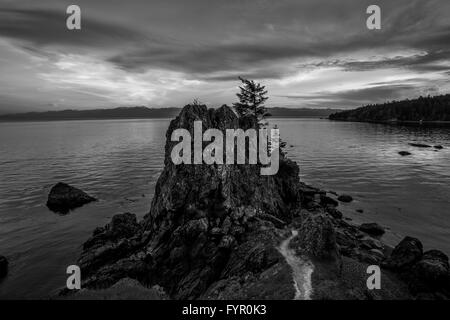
(251,101)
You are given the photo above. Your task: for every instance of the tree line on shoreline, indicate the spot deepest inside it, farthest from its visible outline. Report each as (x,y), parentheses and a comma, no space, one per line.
(428,108)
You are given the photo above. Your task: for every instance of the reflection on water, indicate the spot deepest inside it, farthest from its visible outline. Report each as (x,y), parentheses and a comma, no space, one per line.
(118,161)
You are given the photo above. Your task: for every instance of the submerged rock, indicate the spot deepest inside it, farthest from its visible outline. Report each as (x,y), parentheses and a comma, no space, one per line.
(372,228)
(419,145)
(3,266)
(345,198)
(404,153)
(63,198)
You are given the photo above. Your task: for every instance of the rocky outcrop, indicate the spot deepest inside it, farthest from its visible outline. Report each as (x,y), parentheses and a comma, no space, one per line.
(214,232)
(63,198)
(3,267)
(210,227)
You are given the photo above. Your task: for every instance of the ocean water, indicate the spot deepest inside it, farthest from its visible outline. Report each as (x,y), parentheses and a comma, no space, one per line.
(118,161)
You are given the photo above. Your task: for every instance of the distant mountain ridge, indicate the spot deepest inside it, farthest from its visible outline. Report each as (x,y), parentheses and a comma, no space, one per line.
(143,113)
(115,113)
(422,109)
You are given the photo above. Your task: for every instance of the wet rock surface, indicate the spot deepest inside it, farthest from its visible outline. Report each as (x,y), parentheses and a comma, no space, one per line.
(213,232)
(63,198)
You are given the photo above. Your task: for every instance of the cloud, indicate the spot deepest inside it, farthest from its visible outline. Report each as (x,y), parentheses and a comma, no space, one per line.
(160,52)
(46,27)
(373,93)
(438,61)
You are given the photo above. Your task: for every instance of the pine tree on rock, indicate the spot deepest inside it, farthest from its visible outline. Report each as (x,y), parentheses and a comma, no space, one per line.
(251,101)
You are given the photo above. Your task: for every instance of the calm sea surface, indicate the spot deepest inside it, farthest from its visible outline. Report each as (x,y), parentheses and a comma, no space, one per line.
(118,161)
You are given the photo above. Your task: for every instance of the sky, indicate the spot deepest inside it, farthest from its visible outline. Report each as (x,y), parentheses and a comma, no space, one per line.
(166,53)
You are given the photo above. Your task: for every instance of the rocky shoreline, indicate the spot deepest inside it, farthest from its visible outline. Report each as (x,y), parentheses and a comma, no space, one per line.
(214,232)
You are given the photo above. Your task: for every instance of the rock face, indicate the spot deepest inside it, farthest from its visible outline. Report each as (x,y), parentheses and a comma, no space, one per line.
(201,213)
(63,198)
(3,267)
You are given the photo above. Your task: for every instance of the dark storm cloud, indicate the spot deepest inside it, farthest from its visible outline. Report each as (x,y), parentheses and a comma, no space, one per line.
(254,52)
(380,93)
(210,58)
(424,62)
(47,27)
(240,57)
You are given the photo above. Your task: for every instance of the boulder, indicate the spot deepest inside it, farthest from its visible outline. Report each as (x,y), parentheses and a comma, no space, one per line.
(317,239)
(63,198)
(405,254)
(419,145)
(345,198)
(373,229)
(432,270)
(3,266)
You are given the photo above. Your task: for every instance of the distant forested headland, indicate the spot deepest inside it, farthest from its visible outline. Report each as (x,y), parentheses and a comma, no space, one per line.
(146,113)
(422,109)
